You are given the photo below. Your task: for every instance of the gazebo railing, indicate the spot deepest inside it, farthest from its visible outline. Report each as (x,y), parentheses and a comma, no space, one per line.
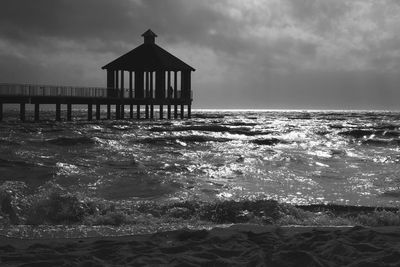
(7,89)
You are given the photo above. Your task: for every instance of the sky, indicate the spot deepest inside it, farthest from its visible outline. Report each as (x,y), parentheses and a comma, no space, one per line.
(265,54)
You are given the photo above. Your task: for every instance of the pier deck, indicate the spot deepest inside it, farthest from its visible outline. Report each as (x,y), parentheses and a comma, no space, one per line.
(36,95)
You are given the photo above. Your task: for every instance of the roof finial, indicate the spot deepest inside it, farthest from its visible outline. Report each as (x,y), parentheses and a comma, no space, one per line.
(149,37)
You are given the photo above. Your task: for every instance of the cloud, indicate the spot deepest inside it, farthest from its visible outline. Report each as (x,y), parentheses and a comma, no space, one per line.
(256,51)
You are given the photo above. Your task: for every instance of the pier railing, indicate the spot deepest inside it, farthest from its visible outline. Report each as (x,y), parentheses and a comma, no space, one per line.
(28,90)
(8,89)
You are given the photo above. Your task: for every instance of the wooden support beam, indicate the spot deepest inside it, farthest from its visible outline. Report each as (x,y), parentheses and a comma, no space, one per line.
(69,112)
(147,111)
(151,111)
(97,111)
(161,112)
(1,111)
(169,111)
(131,111)
(58,112)
(108,112)
(90,112)
(122,112)
(182,111)
(22,111)
(189,111)
(138,112)
(175,111)
(117,112)
(37,111)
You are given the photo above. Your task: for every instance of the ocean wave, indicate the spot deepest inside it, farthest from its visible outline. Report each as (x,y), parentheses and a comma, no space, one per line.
(362,133)
(14,163)
(381,142)
(267,142)
(212,128)
(177,140)
(71,141)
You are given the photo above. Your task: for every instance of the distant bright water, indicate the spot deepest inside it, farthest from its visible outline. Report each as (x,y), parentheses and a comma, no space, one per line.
(297,157)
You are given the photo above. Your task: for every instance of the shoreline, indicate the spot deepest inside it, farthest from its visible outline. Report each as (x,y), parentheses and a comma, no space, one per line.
(237,245)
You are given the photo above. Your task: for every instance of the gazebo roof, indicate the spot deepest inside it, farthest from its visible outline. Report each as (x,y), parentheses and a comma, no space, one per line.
(148,57)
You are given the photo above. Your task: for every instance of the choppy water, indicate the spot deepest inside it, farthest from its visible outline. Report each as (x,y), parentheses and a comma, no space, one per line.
(297,157)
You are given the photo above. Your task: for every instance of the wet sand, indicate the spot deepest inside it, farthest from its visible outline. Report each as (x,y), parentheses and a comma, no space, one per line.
(238,245)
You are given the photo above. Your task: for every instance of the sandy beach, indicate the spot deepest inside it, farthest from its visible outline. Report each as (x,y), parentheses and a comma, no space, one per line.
(237,245)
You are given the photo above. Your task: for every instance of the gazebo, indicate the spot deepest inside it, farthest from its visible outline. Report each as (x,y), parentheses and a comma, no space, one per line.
(149,75)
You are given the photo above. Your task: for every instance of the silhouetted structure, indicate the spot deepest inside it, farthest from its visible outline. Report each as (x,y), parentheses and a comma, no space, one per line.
(152,72)
(146,76)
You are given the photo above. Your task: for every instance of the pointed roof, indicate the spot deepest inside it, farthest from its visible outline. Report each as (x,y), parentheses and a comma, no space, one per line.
(148,57)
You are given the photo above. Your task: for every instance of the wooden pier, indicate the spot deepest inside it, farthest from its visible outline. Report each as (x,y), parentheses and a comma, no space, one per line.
(146,77)
(66,96)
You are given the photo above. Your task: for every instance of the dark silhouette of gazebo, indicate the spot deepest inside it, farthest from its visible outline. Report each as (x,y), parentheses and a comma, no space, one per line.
(151,76)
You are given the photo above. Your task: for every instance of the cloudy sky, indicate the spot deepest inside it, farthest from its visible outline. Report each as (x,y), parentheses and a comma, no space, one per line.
(302,54)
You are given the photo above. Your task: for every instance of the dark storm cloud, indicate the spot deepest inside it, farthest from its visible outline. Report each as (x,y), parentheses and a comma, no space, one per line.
(253,50)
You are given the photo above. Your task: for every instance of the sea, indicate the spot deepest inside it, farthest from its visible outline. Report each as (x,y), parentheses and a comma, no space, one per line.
(299,157)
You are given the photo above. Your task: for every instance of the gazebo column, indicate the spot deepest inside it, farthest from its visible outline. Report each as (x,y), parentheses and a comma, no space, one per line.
(22,111)
(97,111)
(169,95)
(122,88)
(37,110)
(147,94)
(90,112)
(110,82)
(130,85)
(116,84)
(175,94)
(108,111)
(189,111)
(69,112)
(151,95)
(58,112)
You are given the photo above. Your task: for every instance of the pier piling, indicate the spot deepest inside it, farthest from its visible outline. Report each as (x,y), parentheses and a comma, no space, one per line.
(90,112)
(108,111)
(22,111)
(182,111)
(58,112)
(97,111)
(138,112)
(69,112)
(37,111)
